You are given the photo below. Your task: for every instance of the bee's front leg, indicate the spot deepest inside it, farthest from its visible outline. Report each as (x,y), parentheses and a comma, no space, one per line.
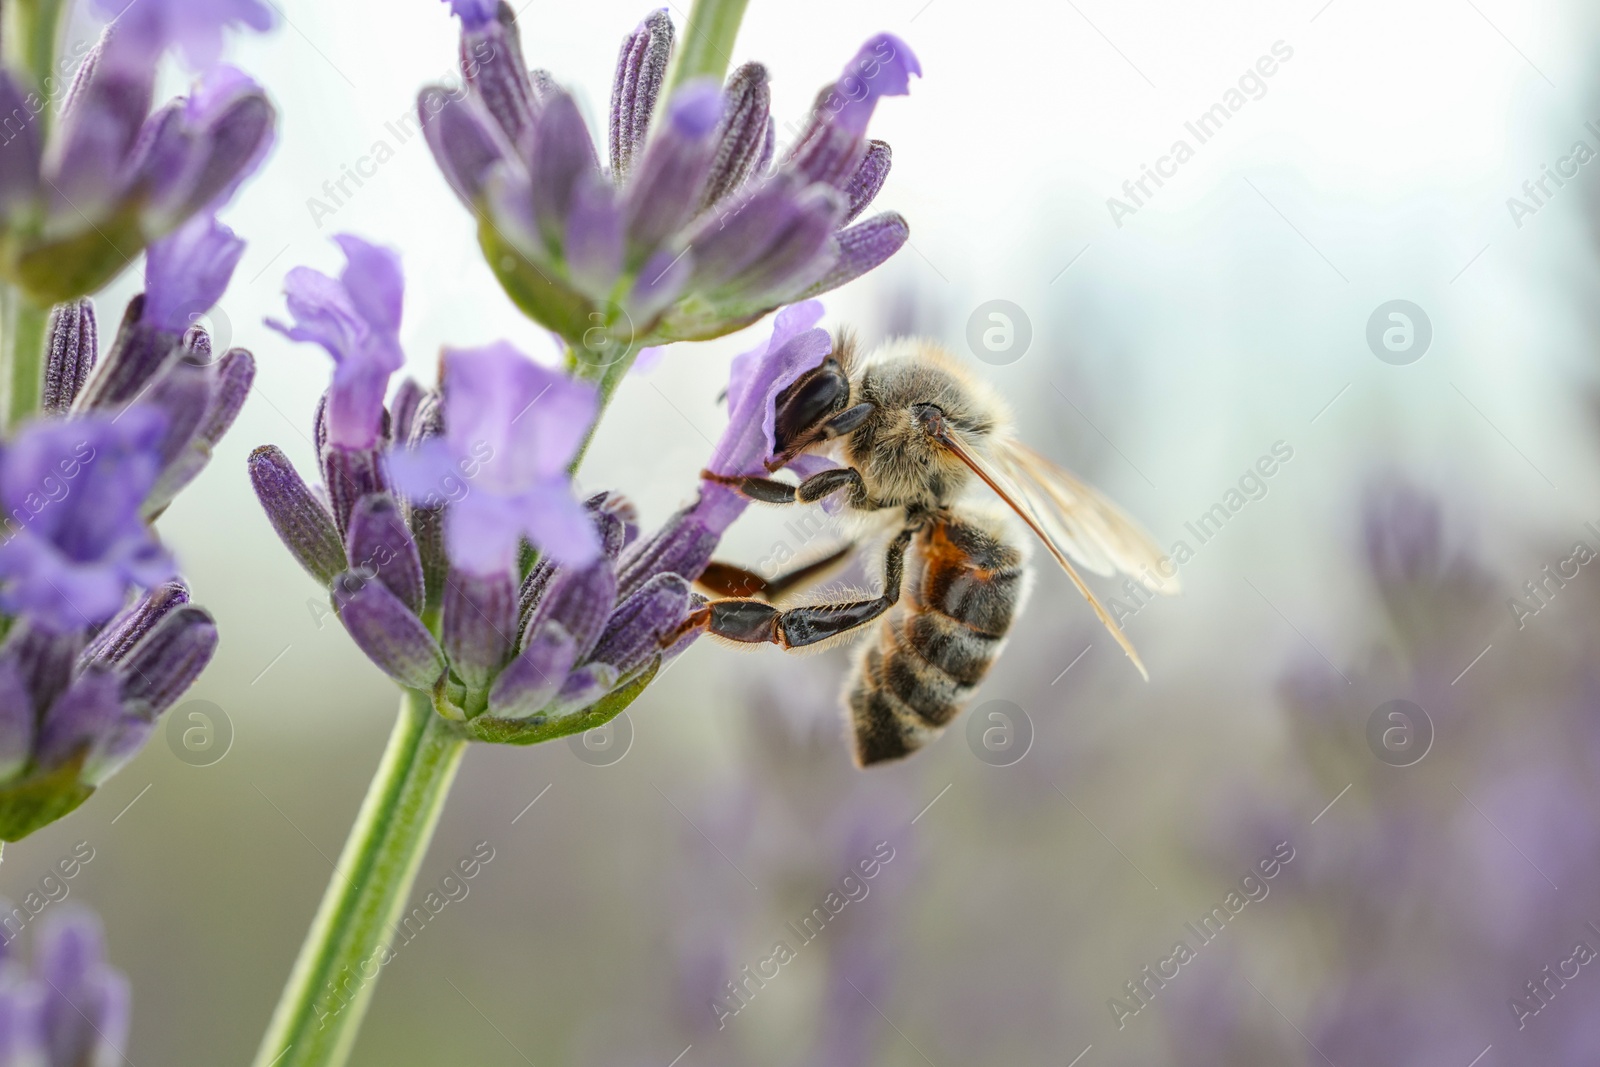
(755,622)
(813,489)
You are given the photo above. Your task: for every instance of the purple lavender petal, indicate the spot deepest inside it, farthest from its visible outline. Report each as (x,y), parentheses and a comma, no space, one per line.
(356,320)
(862,247)
(186,272)
(634,632)
(742,134)
(665,191)
(82,718)
(533,678)
(492,63)
(583,687)
(194,27)
(882,67)
(21,1015)
(512,427)
(473,13)
(465,140)
(72,491)
(863,188)
(641,66)
(661,279)
(386,630)
(182,394)
(479,624)
(168,659)
(379,546)
(561,160)
(755,380)
(304,524)
(73,349)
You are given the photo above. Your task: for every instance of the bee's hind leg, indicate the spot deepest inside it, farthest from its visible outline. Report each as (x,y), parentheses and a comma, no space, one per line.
(756,622)
(728,580)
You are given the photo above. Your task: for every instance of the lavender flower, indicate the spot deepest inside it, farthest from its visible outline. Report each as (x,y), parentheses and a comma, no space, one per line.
(194,28)
(511,427)
(455,555)
(111,177)
(688,234)
(72,492)
(356,319)
(71,1008)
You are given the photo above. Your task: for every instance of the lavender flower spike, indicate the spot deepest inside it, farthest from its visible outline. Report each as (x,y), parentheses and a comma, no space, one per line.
(511,429)
(356,319)
(692,236)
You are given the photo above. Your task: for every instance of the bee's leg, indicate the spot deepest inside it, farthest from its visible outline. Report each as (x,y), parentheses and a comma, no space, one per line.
(755,622)
(813,489)
(725,579)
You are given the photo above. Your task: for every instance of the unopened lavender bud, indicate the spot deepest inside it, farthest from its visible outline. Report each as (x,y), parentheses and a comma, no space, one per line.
(408,399)
(864,186)
(561,161)
(533,678)
(492,63)
(93,720)
(380,546)
(682,546)
(230,387)
(479,624)
(73,348)
(45,659)
(579,601)
(349,474)
(742,134)
(861,248)
(169,658)
(182,394)
(466,141)
(113,643)
(804,250)
(641,66)
(665,192)
(137,353)
(634,632)
(386,630)
(305,526)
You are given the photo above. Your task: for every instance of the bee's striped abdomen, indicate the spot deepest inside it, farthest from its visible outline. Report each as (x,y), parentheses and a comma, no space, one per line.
(932,648)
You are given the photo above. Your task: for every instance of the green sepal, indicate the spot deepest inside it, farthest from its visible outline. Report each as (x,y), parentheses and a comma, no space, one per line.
(534,290)
(51,271)
(532,731)
(40,799)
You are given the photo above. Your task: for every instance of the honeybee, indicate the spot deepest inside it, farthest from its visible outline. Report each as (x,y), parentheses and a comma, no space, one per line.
(916,434)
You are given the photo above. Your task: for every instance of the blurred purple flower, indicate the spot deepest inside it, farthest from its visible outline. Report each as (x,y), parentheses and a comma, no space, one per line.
(356,319)
(187,271)
(72,492)
(194,28)
(511,427)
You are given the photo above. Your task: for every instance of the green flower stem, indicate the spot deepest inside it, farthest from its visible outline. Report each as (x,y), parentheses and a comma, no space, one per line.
(22,341)
(606,379)
(332,983)
(30,29)
(706,48)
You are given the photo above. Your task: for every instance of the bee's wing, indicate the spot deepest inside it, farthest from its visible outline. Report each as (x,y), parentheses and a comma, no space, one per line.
(1070,519)
(1087,526)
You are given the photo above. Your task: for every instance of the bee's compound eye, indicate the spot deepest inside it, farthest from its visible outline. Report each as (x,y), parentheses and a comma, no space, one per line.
(804,405)
(930,417)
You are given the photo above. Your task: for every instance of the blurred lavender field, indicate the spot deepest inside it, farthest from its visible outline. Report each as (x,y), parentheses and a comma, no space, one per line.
(1435,864)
